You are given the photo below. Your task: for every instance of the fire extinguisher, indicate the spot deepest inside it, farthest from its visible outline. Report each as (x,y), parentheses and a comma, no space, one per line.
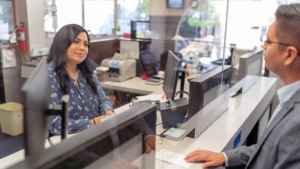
(21,37)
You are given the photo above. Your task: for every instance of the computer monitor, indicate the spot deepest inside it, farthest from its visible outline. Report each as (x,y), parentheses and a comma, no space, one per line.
(36,99)
(37,109)
(251,64)
(79,150)
(201,85)
(171,75)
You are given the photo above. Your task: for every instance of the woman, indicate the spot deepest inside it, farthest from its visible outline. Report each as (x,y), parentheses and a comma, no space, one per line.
(69,74)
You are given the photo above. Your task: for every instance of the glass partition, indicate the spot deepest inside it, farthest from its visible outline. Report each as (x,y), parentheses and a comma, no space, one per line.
(103,11)
(133,10)
(199,39)
(217,59)
(67,12)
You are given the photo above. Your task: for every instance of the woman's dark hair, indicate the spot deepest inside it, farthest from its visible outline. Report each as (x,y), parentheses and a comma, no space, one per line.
(59,54)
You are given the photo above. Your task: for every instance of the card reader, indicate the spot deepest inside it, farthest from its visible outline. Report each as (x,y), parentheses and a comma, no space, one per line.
(174,134)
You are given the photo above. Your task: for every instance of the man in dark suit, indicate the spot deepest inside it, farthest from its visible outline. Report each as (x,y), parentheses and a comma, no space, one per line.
(279,146)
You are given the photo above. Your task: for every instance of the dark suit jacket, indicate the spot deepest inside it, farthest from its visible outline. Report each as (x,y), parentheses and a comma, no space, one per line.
(279,146)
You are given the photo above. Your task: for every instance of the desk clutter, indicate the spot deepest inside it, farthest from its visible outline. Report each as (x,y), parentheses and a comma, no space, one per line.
(123,66)
(119,71)
(155,80)
(102,73)
(134,103)
(118,99)
(173,158)
(153,97)
(118,68)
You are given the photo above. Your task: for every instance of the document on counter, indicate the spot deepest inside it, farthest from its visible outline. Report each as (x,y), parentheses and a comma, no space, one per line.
(173,158)
(153,97)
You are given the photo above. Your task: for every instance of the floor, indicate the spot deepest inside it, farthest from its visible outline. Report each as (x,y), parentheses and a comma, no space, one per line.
(10,144)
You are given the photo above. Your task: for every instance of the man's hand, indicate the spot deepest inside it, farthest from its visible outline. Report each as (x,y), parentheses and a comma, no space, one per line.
(109,112)
(149,144)
(211,159)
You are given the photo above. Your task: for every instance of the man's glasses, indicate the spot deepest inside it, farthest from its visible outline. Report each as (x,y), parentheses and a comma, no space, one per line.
(264,39)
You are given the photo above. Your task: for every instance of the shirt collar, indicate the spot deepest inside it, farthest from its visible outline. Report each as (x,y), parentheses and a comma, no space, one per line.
(286,92)
(80,75)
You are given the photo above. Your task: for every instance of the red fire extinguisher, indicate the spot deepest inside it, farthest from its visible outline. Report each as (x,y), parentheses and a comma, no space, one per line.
(21,37)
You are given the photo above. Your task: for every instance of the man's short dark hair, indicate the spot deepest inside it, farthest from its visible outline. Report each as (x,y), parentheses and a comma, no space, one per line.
(288,25)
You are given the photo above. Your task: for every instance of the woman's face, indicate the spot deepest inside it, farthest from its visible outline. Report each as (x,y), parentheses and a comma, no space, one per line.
(78,50)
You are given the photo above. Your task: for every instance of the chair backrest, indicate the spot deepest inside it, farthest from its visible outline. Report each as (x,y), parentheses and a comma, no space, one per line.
(149,63)
(164,58)
(91,64)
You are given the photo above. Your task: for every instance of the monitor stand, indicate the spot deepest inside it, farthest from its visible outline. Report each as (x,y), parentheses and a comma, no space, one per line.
(61,110)
(182,79)
(173,112)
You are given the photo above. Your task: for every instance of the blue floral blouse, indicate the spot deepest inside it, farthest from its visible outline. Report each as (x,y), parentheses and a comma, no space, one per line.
(83,103)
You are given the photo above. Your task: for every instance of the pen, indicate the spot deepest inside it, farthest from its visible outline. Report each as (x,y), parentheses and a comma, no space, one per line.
(163,96)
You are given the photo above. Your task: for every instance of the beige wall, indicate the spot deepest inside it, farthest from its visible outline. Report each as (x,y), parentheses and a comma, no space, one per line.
(159,8)
(32,13)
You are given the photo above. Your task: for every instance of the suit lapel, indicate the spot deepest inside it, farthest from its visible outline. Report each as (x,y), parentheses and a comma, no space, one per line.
(281,114)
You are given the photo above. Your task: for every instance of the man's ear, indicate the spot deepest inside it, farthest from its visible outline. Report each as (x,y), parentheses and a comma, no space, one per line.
(291,54)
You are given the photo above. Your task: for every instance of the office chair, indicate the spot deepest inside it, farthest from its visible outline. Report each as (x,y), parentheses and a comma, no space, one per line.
(92,65)
(149,63)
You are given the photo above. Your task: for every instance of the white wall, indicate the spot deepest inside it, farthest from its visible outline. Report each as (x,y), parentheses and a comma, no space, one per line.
(32,13)
(242,16)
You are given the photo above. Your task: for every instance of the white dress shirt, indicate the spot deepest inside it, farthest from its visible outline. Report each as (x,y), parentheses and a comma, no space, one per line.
(284,95)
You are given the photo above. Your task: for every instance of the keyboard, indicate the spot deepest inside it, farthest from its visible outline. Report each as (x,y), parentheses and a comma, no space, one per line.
(31,64)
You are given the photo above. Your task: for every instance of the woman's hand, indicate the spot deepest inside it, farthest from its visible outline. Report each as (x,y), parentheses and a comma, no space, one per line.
(109,112)
(98,119)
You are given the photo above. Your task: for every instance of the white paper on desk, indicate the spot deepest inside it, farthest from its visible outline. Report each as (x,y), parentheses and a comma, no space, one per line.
(173,158)
(152,97)
(130,48)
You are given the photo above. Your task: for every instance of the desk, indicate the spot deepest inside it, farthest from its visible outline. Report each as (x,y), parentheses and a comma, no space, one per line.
(134,85)
(219,136)
(242,114)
